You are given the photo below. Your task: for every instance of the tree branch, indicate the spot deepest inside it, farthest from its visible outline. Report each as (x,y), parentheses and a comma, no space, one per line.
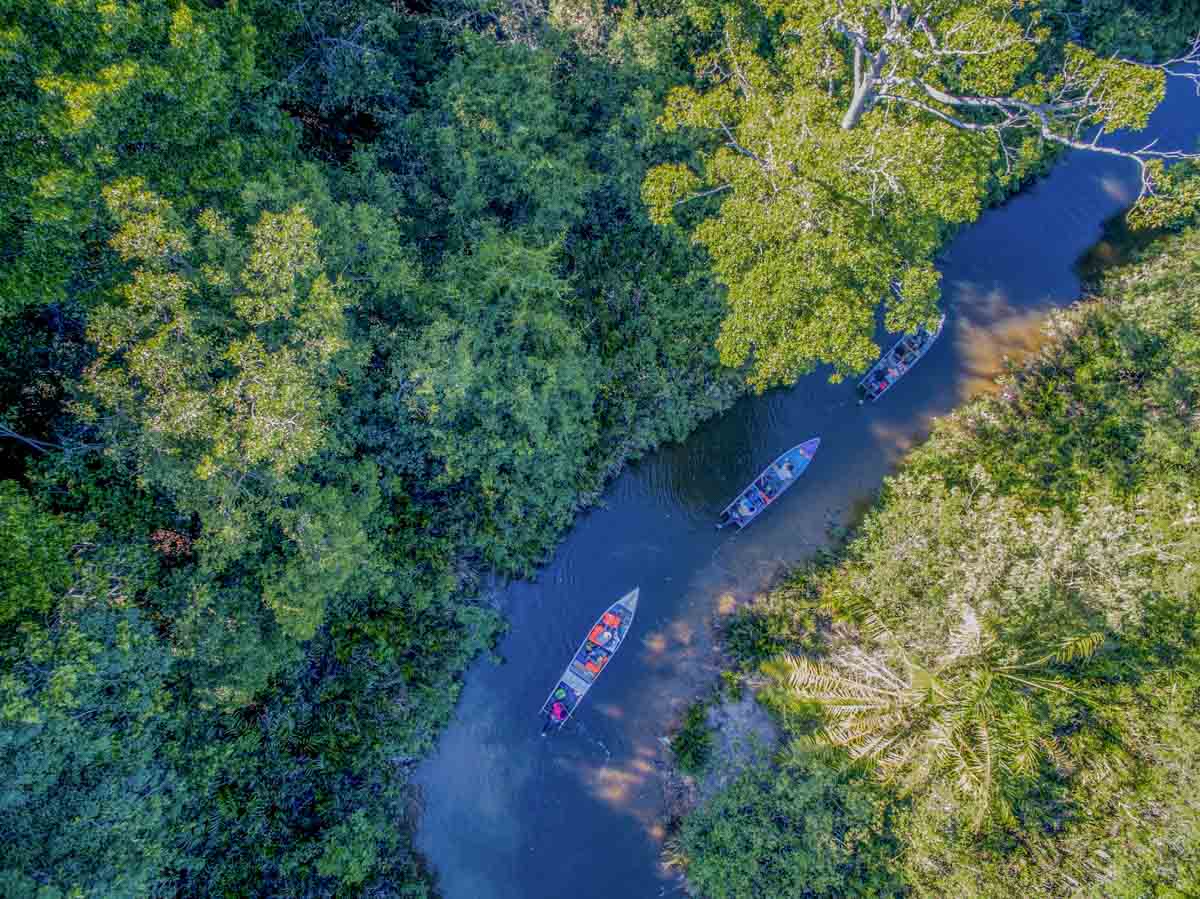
(1021,114)
(1190,58)
(40,445)
(703,194)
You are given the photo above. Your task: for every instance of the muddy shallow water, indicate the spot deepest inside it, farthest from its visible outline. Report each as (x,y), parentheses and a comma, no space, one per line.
(511,815)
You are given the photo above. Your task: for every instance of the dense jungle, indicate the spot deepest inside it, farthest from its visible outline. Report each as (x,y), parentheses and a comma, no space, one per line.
(318,317)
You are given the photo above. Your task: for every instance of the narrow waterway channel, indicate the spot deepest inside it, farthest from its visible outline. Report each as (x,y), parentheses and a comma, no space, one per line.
(510,815)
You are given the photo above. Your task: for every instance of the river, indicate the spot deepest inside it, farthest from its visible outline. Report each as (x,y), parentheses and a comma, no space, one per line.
(511,815)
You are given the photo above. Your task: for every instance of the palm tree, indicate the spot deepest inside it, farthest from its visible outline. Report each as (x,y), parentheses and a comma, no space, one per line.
(974,719)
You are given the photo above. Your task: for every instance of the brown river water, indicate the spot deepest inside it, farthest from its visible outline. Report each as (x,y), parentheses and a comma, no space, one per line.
(508,814)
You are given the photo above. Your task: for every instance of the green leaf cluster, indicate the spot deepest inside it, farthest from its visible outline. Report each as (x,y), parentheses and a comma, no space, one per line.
(805,831)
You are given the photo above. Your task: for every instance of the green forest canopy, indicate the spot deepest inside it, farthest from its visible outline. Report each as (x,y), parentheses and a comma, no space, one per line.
(311,313)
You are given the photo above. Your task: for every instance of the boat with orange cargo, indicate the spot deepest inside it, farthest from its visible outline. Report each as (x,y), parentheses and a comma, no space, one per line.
(599,646)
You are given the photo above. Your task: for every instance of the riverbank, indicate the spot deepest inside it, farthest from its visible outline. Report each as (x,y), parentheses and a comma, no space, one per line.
(1059,507)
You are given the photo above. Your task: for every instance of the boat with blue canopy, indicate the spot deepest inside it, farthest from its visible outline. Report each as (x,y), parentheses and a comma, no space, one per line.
(770,485)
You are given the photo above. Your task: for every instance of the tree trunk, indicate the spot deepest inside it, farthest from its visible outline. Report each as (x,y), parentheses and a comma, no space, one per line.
(864,89)
(865,84)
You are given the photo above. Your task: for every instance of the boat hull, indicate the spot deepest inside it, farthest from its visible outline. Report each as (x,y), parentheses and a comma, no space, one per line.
(775,480)
(897,362)
(595,653)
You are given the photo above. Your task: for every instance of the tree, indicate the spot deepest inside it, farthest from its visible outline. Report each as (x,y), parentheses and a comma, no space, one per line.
(975,617)
(504,388)
(971,56)
(35,564)
(976,719)
(221,350)
(92,92)
(499,143)
(92,800)
(845,137)
(218,372)
(1128,826)
(808,830)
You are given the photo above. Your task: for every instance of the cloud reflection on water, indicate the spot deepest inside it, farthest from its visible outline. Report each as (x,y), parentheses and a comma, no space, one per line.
(1120,189)
(985,350)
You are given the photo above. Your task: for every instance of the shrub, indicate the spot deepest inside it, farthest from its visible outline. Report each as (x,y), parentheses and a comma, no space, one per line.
(807,831)
(692,745)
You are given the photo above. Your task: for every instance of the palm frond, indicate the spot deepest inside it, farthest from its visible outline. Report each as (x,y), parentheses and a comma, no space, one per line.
(1082,647)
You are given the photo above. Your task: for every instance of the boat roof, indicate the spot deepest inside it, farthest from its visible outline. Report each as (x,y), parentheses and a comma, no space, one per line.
(805,450)
(808,447)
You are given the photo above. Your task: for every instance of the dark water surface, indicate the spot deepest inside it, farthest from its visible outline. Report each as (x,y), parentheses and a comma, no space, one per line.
(510,815)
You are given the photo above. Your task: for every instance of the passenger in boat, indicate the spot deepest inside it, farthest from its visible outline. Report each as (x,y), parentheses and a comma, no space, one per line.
(596,661)
(558,713)
(787,471)
(745,508)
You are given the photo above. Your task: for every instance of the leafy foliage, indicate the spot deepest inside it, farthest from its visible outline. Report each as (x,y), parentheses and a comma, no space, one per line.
(692,743)
(168,92)
(35,558)
(785,620)
(93,789)
(977,718)
(504,365)
(314,311)
(311,313)
(803,832)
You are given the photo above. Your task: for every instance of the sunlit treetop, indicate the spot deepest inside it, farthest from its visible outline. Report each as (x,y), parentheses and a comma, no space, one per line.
(846,136)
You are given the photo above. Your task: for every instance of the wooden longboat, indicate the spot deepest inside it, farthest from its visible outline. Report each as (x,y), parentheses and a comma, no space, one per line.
(775,479)
(896,362)
(606,636)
